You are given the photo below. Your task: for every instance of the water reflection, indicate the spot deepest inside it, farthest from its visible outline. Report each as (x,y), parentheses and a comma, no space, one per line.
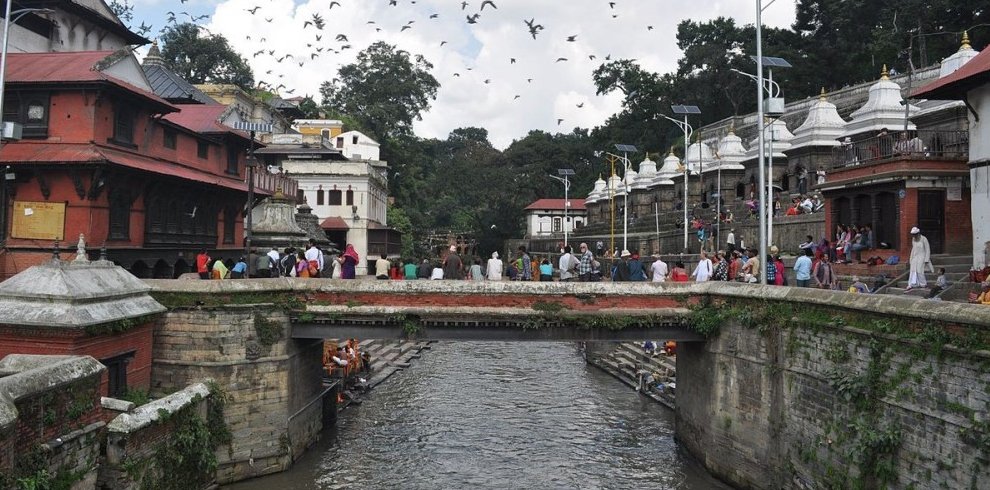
(498,415)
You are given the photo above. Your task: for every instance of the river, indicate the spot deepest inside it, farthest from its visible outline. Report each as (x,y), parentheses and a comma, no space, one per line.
(485,415)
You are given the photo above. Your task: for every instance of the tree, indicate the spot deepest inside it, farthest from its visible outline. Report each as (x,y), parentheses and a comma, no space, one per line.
(386,90)
(204,59)
(309,108)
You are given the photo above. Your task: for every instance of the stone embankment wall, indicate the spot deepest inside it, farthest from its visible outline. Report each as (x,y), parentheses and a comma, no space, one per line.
(834,390)
(50,420)
(170,439)
(273,384)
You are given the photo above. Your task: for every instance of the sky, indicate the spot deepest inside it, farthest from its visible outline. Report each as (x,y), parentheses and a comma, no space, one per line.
(548,90)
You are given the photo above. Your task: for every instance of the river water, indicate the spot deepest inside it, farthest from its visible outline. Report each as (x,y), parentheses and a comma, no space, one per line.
(480,415)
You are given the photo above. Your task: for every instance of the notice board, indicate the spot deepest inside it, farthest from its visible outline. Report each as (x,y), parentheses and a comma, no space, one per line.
(35,220)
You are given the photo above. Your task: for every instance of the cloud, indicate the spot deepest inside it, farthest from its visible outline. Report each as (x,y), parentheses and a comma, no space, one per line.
(478,52)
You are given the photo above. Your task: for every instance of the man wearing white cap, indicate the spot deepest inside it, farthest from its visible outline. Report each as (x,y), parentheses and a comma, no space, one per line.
(921,256)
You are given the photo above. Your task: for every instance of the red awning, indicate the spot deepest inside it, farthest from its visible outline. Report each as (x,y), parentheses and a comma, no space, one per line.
(334,223)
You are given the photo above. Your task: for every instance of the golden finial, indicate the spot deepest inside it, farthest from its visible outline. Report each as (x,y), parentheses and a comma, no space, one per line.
(732,127)
(821,96)
(965,42)
(600,176)
(884,75)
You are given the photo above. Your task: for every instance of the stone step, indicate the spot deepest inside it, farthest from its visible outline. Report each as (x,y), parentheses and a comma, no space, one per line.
(952,259)
(659,362)
(920,293)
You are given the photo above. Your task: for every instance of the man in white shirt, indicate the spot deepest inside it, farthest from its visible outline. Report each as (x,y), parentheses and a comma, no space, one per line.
(704,269)
(730,241)
(659,269)
(274,266)
(807,207)
(315,257)
(566,265)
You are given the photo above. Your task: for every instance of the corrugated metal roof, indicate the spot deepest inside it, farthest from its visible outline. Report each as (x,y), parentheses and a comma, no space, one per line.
(78,153)
(974,73)
(72,67)
(576,204)
(170,86)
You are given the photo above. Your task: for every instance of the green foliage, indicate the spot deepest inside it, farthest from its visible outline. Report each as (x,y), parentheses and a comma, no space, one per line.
(118,326)
(187,456)
(136,396)
(268,331)
(203,58)
(398,219)
(551,307)
(385,90)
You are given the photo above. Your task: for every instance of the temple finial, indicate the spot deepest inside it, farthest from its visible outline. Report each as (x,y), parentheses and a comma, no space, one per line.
(821,96)
(103,252)
(884,74)
(56,257)
(81,250)
(965,42)
(732,127)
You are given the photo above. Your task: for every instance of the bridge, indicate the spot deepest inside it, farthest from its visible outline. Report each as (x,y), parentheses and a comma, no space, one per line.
(777,387)
(455,310)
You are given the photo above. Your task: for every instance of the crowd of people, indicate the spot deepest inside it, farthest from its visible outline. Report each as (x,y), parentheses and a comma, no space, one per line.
(309,261)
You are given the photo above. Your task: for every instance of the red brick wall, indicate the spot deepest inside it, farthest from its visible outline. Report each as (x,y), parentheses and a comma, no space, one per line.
(507,301)
(59,342)
(46,415)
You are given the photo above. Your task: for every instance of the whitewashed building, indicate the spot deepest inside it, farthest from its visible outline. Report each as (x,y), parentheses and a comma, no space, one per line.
(545,217)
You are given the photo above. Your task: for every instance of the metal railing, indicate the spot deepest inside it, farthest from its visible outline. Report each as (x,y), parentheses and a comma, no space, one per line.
(266,182)
(903,145)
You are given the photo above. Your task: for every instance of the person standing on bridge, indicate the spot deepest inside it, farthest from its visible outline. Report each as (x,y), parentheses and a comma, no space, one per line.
(921,258)
(704,270)
(567,264)
(494,268)
(453,267)
(585,263)
(203,264)
(348,262)
(527,266)
(659,269)
(315,258)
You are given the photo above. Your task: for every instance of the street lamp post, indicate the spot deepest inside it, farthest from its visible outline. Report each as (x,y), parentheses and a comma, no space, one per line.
(759,122)
(688,130)
(564,176)
(625,149)
(7,21)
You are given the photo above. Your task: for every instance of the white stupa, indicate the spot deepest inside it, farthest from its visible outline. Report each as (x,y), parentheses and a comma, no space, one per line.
(884,109)
(822,127)
(782,138)
(959,58)
(647,171)
(699,156)
(670,168)
(731,151)
(598,192)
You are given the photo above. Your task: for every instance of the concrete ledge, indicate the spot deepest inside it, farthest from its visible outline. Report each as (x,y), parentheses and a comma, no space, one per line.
(116,405)
(908,307)
(150,413)
(26,375)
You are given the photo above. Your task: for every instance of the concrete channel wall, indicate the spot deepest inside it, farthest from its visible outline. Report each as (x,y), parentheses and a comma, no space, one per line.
(857,392)
(274,405)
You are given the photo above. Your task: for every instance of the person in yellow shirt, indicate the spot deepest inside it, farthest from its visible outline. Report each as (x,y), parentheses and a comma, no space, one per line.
(984,297)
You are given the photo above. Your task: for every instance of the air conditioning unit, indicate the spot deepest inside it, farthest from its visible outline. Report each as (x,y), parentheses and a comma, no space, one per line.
(773,106)
(12,130)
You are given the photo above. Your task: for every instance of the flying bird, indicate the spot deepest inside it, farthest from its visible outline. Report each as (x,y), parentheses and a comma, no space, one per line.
(404,28)
(512,61)
(334,3)
(559,121)
(516,97)
(534,29)
(487,2)
(580,105)
(442,43)
(464,5)
(473,19)
(560,59)
(434,16)
(341,38)
(253,10)
(571,39)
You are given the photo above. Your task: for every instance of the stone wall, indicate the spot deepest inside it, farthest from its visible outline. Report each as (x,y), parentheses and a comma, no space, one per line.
(273,383)
(853,392)
(135,441)
(50,419)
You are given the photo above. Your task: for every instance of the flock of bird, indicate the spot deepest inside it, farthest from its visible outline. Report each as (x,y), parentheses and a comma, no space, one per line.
(319,43)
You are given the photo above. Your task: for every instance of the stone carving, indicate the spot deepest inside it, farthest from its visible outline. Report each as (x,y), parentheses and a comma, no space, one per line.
(81,250)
